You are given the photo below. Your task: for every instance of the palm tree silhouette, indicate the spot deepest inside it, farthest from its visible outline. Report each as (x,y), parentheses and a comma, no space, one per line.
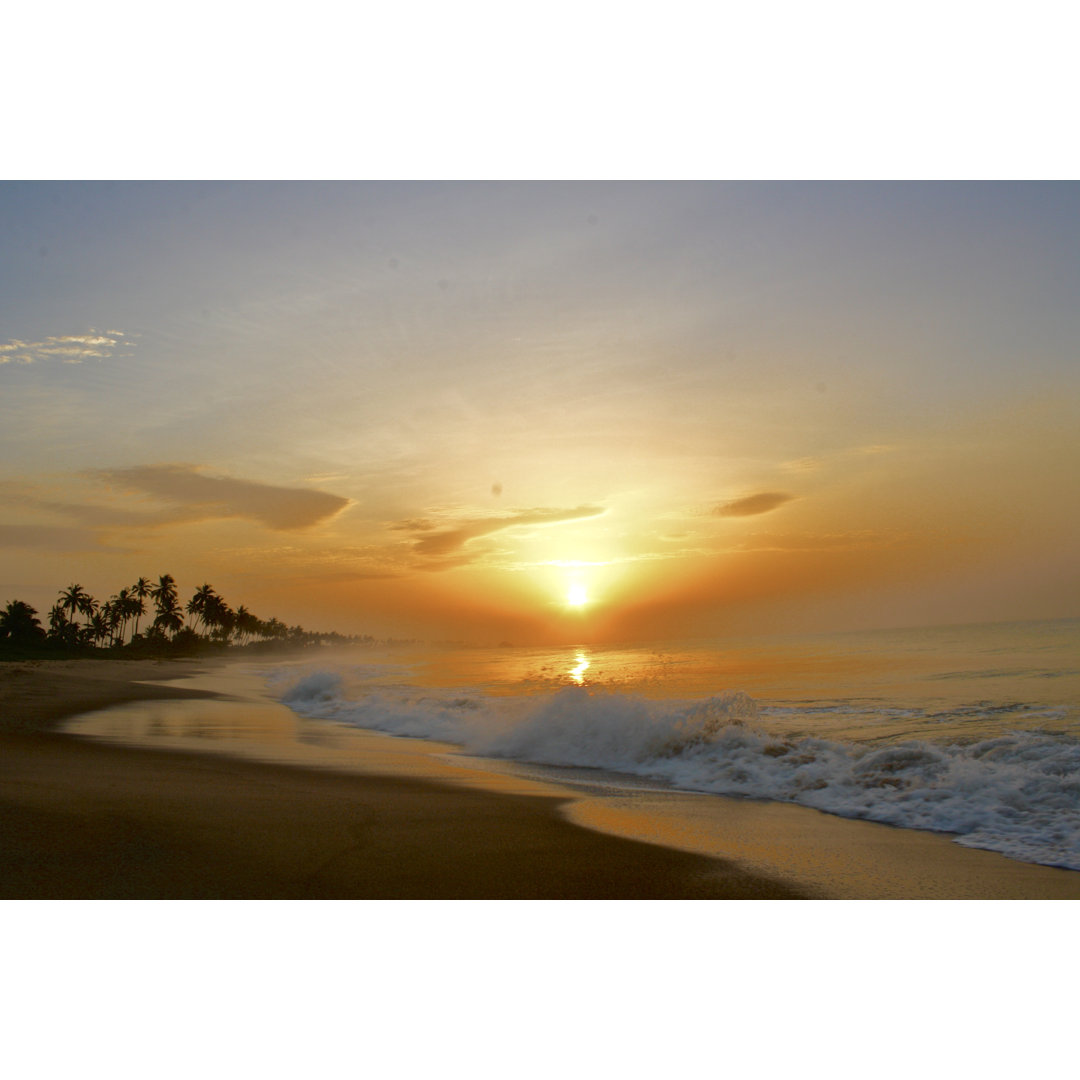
(77,600)
(246,624)
(219,618)
(168,607)
(97,627)
(169,619)
(140,591)
(119,612)
(107,623)
(19,622)
(109,614)
(164,592)
(133,608)
(201,603)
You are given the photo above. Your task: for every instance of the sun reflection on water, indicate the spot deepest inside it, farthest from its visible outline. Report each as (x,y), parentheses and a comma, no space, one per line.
(581,665)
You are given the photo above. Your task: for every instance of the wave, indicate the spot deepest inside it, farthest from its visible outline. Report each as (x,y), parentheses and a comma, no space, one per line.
(1017,794)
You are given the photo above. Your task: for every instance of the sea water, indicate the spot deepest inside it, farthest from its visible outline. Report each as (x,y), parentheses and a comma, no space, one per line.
(972,731)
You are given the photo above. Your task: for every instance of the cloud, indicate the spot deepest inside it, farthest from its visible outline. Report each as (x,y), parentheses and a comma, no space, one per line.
(203,496)
(414,525)
(105,517)
(445,545)
(91,515)
(752,505)
(71,349)
(845,541)
(297,564)
(62,538)
(802,465)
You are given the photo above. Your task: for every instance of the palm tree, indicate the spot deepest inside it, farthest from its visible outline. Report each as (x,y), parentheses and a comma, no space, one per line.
(19,622)
(77,600)
(219,617)
(226,623)
(62,630)
(246,624)
(133,608)
(110,619)
(140,590)
(200,603)
(98,627)
(57,620)
(164,592)
(119,612)
(168,607)
(169,618)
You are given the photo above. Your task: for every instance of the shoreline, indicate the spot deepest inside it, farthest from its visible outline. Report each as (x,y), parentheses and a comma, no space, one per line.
(85,819)
(38,695)
(358,814)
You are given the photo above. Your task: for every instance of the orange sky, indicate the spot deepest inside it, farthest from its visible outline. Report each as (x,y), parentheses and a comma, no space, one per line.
(432,410)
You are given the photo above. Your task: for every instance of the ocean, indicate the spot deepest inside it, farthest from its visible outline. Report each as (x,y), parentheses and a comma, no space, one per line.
(970,731)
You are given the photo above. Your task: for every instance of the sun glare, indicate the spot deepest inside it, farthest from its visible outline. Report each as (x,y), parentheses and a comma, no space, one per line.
(576,596)
(581,665)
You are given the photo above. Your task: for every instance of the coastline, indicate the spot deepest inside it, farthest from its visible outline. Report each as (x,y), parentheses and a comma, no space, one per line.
(84,819)
(37,695)
(292,808)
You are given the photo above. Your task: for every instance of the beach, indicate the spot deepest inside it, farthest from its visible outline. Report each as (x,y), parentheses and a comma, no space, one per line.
(86,820)
(359,815)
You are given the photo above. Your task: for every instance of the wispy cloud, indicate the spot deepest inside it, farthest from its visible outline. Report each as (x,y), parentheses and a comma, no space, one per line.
(443,547)
(752,505)
(198,495)
(96,516)
(69,349)
(297,564)
(842,541)
(58,538)
(802,465)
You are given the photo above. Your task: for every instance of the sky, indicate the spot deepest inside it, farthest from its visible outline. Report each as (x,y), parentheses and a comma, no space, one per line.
(546,412)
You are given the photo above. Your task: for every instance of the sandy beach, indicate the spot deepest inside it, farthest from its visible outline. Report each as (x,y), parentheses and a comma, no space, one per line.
(82,819)
(380,818)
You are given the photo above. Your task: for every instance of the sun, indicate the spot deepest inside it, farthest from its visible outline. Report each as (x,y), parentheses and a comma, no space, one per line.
(576,596)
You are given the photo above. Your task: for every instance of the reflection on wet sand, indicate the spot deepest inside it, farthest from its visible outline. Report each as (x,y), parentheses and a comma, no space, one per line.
(244,722)
(263,731)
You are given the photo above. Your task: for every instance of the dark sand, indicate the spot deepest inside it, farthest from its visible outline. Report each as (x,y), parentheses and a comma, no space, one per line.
(80,818)
(35,695)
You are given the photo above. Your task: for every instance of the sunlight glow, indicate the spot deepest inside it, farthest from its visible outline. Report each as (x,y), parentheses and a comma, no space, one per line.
(576,595)
(577,673)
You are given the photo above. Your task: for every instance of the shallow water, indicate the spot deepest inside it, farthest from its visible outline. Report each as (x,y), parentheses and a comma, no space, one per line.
(973,732)
(969,731)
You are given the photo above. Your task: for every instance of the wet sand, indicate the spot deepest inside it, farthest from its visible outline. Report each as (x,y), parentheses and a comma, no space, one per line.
(91,819)
(212,790)
(36,695)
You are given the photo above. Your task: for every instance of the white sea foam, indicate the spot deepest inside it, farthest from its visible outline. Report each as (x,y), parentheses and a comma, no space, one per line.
(1018,794)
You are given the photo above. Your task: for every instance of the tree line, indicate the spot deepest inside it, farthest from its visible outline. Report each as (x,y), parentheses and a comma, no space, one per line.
(79,622)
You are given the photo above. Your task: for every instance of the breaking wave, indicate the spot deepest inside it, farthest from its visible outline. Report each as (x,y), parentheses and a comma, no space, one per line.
(1017,794)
